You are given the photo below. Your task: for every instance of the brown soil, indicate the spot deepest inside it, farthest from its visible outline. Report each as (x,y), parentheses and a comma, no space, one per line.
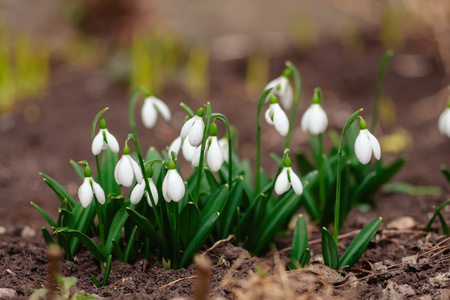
(403,262)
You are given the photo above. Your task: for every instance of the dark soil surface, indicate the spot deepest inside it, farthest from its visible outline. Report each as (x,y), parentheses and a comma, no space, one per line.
(401,262)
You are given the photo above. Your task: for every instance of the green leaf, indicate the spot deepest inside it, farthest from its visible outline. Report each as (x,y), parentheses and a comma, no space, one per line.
(446,172)
(299,241)
(190,218)
(107,270)
(206,226)
(303,163)
(84,218)
(78,168)
(92,247)
(359,244)
(130,244)
(428,227)
(117,250)
(216,202)
(116,229)
(47,236)
(311,205)
(60,191)
(95,120)
(304,259)
(228,219)
(44,214)
(109,184)
(153,154)
(329,250)
(443,223)
(95,280)
(409,189)
(212,181)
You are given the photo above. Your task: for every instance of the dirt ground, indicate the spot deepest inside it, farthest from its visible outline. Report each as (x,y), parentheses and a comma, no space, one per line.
(401,261)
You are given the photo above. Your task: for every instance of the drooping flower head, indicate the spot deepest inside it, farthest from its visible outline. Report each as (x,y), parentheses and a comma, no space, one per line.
(104,140)
(444,121)
(173,185)
(276,116)
(89,188)
(150,109)
(288,178)
(175,147)
(193,129)
(366,144)
(214,155)
(127,169)
(315,119)
(282,88)
(139,190)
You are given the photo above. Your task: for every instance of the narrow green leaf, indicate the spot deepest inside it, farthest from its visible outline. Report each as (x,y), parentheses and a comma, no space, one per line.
(190,218)
(117,250)
(303,163)
(107,270)
(216,202)
(84,218)
(44,214)
(206,226)
(60,191)
(93,248)
(311,205)
(299,241)
(359,244)
(212,181)
(47,236)
(95,280)
(109,161)
(64,243)
(130,245)
(329,250)
(228,219)
(78,168)
(304,259)
(116,229)
(428,227)
(443,223)
(446,172)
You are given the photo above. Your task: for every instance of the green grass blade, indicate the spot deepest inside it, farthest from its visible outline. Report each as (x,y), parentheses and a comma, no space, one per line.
(107,270)
(299,241)
(109,184)
(95,280)
(44,214)
(60,191)
(304,259)
(359,244)
(84,218)
(216,201)
(212,181)
(78,168)
(190,218)
(93,248)
(443,223)
(206,226)
(117,250)
(428,227)
(228,219)
(47,236)
(130,245)
(329,250)
(116,229)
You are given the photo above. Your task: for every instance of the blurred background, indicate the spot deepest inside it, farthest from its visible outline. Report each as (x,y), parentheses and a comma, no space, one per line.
(63,61)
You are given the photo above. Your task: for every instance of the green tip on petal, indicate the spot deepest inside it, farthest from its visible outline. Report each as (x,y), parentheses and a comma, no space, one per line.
(287,73)
(213,129)
(87,172)
(287,162)
(102,123)
(273,99)
(316,96)
(448,103)
(200,112)
(171,165)
(126,150)
(362,124)
(149,172)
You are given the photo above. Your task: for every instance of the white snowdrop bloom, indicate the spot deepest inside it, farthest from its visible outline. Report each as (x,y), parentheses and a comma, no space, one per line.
(286,179)
(150,109)
(444,122)
(175,146)
(173,185)
(104,140)
(187,150)
(214,156)
(193,129)
(139,190)
(314,120)
(283,89)
(127,169)
(196,156)
(276,117)
(223,143)
(366,144)
(89,188)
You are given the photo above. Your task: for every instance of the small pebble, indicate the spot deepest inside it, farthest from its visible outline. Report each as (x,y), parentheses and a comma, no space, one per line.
(28,232)
(7,293)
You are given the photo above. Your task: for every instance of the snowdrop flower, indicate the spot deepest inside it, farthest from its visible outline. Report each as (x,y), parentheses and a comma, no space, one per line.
(104,140)
(89,188)
(193,129)
(175,147)
(188,150)
(195,161)
(139,190)
(127,169)
(277,117)
(223,143)
(214,156)
(288,178)
(444,121)
(150,109)
(315,119)
(173,185)
(366,144)
(282,88)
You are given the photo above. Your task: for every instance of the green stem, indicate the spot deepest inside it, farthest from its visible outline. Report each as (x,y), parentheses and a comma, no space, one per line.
(100,223)
(338,174)
(262,99)
(296,101)
(187,109)
(379,87)
(321,172)
(202,152)
(132,106)
(230,162)
(94,125)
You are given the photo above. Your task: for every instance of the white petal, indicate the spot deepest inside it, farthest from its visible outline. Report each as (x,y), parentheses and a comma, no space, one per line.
(196,156)
(98,191)
(282,184)
(85,193)
(149,114)
(162,108)
(176,187)
(375,145)
(175,146)
(137,193)
(188,150)
(363,149)
(112,142)
(136,171)
(214,156)
(165,187)
(306,119)
(268,115)
(196,132)
(287,97)
(444,122)
(297,185)
(97,143)
(280,120)
(223,143)
(187,128)
(116,170)
(154,193)
(272,84)
(318,120)
(125,171)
